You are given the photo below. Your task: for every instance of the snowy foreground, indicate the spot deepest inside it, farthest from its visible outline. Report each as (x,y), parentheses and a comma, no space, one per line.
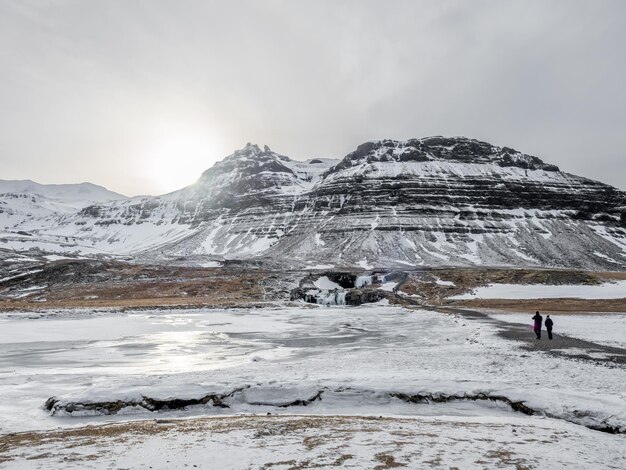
(339,369)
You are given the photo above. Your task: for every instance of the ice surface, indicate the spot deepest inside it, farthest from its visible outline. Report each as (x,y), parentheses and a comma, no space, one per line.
(356,355)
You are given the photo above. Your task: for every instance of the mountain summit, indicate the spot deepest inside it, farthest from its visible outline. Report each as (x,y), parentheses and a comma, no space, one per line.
(441,149)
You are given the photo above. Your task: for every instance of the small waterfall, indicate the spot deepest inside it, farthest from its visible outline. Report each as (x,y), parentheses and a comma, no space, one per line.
(362,281)
(334,297)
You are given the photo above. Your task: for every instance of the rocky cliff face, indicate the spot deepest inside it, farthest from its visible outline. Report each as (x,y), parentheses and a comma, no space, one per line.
(433,201)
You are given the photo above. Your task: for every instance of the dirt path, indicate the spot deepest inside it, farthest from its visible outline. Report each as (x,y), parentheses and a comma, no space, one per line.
(561,345)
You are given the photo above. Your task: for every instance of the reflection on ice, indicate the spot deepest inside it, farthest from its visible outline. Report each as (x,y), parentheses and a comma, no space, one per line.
(188,354)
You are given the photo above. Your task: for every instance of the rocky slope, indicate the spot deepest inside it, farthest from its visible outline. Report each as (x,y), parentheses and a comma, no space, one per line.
(432,201)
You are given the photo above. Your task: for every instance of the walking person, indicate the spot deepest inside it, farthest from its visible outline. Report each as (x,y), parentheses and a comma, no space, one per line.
(538,319)
(549,323)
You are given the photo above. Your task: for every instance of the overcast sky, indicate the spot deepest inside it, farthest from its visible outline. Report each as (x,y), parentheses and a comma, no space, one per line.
(142,96)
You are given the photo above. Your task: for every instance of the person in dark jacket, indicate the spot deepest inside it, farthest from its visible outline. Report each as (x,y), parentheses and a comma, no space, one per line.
(549,323)
(538,319)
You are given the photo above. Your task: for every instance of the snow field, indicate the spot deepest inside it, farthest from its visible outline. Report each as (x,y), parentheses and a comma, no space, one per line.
(325,283)
(609,290)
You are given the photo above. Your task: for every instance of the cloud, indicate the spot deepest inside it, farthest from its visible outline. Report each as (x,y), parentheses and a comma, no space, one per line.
(85,86)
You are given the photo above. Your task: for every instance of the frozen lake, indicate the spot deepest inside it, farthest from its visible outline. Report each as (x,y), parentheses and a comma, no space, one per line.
(352,359)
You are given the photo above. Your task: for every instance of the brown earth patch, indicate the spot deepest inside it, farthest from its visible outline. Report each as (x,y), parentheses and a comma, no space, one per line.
(100,284)
(265,426)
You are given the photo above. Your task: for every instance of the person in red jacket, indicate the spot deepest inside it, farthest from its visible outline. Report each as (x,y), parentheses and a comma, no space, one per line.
(538,319)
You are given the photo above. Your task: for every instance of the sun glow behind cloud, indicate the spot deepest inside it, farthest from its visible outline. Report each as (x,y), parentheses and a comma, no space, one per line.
(177,153)
(545,77)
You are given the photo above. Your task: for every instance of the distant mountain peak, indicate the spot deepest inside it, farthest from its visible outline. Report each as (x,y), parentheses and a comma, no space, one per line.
(252,150)
(76,193)
(248,148)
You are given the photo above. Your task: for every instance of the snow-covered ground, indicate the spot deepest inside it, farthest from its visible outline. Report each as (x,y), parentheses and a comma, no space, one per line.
(609,290)
(325,283)
(602,329)
(304,442)
(339,360)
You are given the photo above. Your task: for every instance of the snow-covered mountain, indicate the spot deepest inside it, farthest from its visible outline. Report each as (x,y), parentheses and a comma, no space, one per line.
(22,201)
(75,195)
(432,201)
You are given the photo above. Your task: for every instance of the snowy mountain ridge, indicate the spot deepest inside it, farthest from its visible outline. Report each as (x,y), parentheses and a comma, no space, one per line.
(79,195)
(22,201)
(420,202)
